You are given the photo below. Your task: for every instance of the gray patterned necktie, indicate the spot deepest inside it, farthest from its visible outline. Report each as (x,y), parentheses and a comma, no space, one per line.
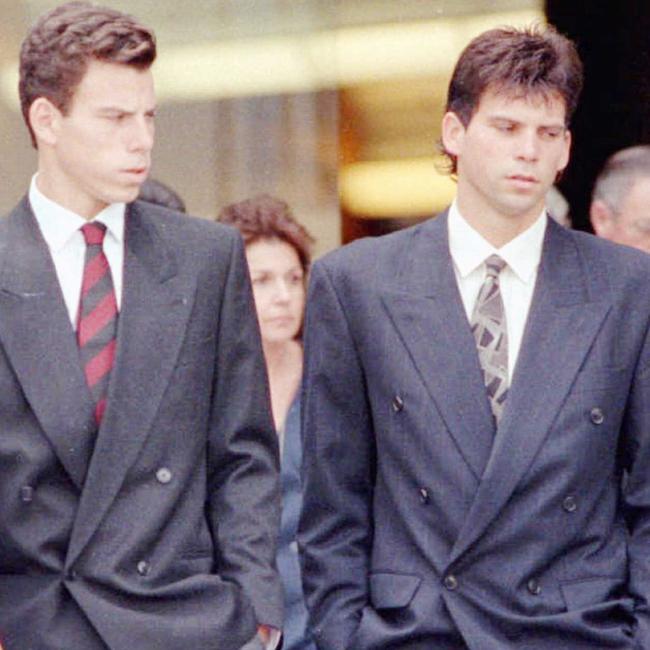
(491,335)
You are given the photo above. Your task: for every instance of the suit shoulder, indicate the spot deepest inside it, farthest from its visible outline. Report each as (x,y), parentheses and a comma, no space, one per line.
(370,253)
(18,212)
(602,253)
(182,228)
(612,268)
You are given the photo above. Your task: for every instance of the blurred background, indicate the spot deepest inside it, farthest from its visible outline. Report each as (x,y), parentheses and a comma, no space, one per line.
(335,105)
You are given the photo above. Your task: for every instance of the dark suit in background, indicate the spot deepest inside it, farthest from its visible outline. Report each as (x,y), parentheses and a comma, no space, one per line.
(157,531)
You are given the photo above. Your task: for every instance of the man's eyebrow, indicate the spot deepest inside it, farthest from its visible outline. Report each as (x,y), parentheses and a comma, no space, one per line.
(503,118)
(514,120)
(114,109)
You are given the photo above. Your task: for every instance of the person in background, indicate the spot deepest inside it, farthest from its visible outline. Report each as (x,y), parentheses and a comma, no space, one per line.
(278,255)
(620,204)
(139,468)
(153,191)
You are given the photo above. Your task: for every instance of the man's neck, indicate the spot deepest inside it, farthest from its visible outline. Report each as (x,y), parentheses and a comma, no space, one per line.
(60,192)
(497,229)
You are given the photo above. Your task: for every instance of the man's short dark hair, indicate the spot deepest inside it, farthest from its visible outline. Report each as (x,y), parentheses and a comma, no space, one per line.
(56,52)
(620,171)
(522,62)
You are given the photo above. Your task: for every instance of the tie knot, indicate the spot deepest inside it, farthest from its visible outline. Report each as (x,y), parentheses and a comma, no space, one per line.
(494,265)
(93,233)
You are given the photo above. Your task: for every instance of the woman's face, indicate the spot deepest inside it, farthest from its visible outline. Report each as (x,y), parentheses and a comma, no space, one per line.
(279,288)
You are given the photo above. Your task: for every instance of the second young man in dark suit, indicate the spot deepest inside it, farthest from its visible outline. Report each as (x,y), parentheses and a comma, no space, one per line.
(138,462)
(477,392)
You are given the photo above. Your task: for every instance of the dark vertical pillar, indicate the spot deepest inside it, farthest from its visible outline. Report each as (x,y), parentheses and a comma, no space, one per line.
(613,39)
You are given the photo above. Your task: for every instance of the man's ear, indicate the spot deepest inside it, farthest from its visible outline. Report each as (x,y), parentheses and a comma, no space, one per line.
(453,132)
(602,218)
(44,118)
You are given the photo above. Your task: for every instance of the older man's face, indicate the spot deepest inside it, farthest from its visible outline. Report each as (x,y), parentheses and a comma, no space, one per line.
(631,225)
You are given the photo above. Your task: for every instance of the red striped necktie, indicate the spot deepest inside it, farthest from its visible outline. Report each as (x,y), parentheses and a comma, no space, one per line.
(97,324)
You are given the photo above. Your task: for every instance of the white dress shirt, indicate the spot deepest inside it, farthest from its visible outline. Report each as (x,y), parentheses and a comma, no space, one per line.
(517,280)
(60,229)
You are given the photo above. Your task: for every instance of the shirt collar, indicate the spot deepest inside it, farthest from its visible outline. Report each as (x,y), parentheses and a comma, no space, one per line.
(58,224)
(469,249)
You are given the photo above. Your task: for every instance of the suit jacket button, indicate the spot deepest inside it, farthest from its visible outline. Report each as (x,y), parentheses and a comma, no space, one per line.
(71,575)
(164,475)
(570,504)
(450,582)
(143,567)
(424,496)
(27,494)
(398,404)
(596,415)
(534,587)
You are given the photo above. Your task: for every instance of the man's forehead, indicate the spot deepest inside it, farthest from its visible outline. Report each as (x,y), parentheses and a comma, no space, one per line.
(513,97)
(114,84)
(638,193)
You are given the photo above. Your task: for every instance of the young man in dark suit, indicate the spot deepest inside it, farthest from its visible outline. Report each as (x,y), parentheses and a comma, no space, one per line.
(477,399)
(138,461)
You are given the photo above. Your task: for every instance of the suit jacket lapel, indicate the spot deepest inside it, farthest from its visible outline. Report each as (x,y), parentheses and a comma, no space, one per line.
(427,311)
(39,340)
(156,304)
(563,321)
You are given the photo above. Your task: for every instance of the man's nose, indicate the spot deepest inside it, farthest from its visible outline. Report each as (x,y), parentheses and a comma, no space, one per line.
(141,137)
(528,146)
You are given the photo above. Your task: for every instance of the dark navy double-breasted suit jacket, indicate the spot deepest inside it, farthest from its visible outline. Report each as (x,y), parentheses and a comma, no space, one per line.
(157,531)
(424,526)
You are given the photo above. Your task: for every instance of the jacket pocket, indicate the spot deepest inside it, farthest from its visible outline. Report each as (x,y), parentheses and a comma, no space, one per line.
(591,591)
(392,590)
(195,553)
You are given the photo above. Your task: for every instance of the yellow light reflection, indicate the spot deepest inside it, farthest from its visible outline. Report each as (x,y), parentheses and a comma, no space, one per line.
(309,61)
(394,188)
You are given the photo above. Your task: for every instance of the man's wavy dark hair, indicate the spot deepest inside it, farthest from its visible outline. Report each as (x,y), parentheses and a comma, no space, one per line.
(520,62)
(55,53)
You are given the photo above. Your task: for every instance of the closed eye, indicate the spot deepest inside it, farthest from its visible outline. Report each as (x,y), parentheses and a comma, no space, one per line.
(552,134)
(505,126)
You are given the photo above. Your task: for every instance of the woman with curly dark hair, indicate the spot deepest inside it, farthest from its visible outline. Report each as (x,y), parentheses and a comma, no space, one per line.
(278,254)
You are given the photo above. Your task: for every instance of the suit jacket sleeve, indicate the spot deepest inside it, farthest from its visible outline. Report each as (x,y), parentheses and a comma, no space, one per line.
(243,464)
(338,468)
(637,492)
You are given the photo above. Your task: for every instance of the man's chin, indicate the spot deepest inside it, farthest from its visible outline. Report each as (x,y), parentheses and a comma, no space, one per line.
(521,209)
(124,195)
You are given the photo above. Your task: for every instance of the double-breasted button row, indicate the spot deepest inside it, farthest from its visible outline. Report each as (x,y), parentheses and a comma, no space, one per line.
(451,584)
(570,504)
(26,493)
(596,415)
(143,567)
(534,587)
(164,475)
(397,404)
(71,574)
